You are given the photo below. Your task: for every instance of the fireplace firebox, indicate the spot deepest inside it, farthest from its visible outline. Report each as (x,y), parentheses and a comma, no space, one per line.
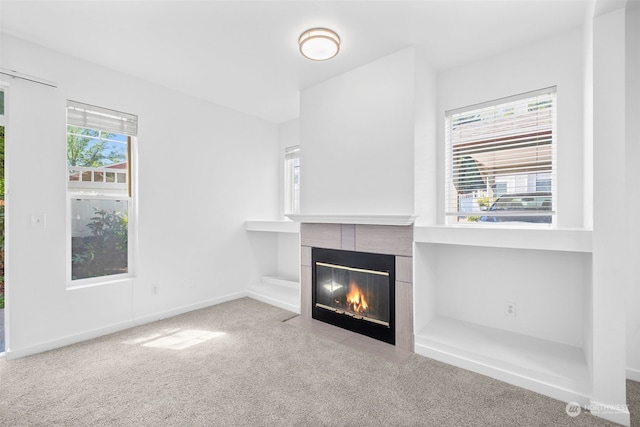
(354,291)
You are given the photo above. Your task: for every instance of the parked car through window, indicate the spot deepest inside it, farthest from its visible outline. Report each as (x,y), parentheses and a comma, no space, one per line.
(520,207)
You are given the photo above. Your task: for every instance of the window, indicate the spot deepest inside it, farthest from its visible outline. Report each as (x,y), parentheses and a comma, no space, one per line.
(292,180)
(2,208)
(99,147)
(500,152)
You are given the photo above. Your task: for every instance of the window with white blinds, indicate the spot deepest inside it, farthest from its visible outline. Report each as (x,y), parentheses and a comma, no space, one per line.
(500,163)
(292,180)
(99,191)
(98,149)
(93,117)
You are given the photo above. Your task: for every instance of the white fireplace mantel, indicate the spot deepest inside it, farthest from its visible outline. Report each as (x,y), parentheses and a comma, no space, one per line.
(368,219)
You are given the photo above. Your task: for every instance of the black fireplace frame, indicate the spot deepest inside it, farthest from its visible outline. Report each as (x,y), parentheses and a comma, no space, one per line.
(364,260)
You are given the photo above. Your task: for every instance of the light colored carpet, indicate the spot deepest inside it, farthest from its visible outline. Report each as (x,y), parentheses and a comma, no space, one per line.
(1,330)
(633,400)
(259,372)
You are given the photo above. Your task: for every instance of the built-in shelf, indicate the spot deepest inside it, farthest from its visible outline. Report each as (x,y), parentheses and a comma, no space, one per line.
(547,367)
(366,219)
(550,239)
(278,291)
(273,226)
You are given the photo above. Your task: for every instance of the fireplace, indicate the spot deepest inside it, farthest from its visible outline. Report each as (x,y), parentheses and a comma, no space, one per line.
(355,291)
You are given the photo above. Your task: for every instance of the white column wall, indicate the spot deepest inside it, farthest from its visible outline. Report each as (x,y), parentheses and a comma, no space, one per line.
(201,171)
(632,156)
(357,140)
(426,164)
(610,271)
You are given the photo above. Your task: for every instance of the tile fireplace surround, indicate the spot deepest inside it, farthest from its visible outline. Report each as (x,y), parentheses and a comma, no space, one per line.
(382,239)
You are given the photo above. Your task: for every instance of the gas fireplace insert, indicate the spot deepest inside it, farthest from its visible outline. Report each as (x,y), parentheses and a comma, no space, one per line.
(354,291)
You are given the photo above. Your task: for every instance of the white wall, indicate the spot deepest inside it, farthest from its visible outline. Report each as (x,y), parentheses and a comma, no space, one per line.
(610,271)
(548,287)
(426,143)
(191,245)
(587,114)
(554,62)
(289,255)
(357,140)
(632,156)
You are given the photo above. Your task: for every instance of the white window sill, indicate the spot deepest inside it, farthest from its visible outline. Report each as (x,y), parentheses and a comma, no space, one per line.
(93,282)
(363,219)
(273,226)
(505,236)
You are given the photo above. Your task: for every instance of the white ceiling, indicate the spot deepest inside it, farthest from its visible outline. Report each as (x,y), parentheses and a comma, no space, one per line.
(244,54)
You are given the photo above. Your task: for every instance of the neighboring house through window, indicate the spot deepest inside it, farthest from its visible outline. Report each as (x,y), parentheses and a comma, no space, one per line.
(99,178)
(501,160)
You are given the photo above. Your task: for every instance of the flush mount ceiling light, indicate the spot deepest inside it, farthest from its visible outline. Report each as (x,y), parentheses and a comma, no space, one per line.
(319,44)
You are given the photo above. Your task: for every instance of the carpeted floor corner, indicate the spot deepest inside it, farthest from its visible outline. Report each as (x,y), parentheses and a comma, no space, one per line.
(633,401)
(238,364)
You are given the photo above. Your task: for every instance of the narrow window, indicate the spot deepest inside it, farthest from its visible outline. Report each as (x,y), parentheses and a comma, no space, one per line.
(292,180)
(2,246)
(99,177)
(501,160)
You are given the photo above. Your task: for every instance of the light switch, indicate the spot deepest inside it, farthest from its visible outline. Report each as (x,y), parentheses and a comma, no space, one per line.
(38,221)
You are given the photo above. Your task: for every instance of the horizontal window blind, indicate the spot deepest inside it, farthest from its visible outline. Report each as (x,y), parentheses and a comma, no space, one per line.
(502,151)
(292,152)
(92,117)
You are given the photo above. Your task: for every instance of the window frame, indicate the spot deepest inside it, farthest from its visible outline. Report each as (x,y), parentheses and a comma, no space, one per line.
(491,178)
(99,280)
(96,194)
(291,197)
(3,117)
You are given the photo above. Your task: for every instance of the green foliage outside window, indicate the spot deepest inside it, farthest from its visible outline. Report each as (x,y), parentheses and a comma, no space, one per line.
(91,148)
(104,253)
(483,203)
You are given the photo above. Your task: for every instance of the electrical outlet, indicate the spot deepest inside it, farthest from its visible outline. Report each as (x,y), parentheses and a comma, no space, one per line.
(38,221)
(510,308)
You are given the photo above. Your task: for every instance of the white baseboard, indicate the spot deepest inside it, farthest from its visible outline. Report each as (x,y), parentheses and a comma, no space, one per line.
(615,413)
(633,374)
(95,333)
(275,302)
(189,307)
(618,413)
(519,379)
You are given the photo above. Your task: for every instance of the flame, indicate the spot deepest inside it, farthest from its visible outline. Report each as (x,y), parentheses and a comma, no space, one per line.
(355,299)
